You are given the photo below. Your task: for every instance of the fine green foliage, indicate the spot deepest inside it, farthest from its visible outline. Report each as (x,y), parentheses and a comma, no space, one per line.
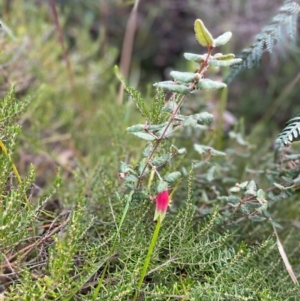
(10,110)
(246,200)
(282,30)
(154,156)
(72,230)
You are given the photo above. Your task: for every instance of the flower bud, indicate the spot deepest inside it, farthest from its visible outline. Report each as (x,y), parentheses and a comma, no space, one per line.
(161,206)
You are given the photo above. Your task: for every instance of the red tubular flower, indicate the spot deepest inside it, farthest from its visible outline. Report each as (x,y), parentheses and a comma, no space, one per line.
(162,201)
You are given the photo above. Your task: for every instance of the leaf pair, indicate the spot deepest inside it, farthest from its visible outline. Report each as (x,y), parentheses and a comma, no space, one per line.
(205,38)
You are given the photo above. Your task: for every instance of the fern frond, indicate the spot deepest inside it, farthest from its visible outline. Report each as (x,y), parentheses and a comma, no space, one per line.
(282,28)
(291,131)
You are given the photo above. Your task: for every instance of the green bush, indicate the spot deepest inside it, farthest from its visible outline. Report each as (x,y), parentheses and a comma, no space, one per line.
(72,229)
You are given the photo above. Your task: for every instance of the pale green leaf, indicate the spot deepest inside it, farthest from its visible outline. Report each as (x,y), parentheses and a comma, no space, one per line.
(170,107)
(279,186)
(189,121)
(204,118)
(224,57)
(263,207)
(124,168)
(257,218)
(173,87)
(203,149)
(161,160)
(144,136)
(261,196)
(275,224)
(224,63)
(161,186)
(195,57)
(251,188)
(141,166)
(162,130)
(230,199)
(243,185)
(135,128)
(203,36)
(182,151)
(185,77)
(235,189)
(131,178)
(147,150)
(172,177)
(206,84)
(156,127)
(211,174)
(223,39)
(197,164)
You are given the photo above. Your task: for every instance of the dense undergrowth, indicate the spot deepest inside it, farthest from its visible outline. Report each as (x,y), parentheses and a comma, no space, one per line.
(70,229)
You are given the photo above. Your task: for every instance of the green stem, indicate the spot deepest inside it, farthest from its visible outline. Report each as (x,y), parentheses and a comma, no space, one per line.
(64,50)
(203,67)
(222,108)
(15,170)
(148,258)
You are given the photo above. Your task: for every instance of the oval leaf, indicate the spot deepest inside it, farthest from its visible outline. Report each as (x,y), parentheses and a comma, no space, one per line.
(124,167)
(161,186)
(141,167)
(263,207)
(224,57)
(161,160)
(211,173)
(147,150)
(203,149)
(131,178)
(144,136)
(195,57)
(170,107)
(185,77)
(182,151)
(224,63)
(261,196)
(206,84)
(257,218)
(203,36)
(172,177)
(223,39)
(189,121)
(156,127)
(230,199)
(173,87)
(205,118)
(279,186)
(166,134)
(235,189)
(251,188)
(135,128)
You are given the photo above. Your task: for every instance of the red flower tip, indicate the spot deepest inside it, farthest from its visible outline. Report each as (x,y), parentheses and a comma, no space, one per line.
(162,201)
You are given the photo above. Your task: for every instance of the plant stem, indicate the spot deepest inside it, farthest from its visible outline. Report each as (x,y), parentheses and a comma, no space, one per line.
(148,258)
(203,67)
(64,50)
(222,107)
(15,170)
(158,141)
(127,47)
